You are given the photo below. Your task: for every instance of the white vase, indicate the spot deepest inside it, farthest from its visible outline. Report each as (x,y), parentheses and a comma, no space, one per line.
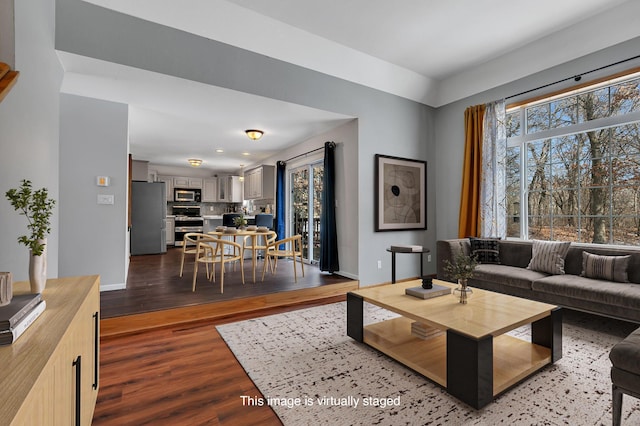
(38,269)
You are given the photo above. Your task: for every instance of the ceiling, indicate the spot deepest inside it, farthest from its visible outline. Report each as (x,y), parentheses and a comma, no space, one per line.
(430,51)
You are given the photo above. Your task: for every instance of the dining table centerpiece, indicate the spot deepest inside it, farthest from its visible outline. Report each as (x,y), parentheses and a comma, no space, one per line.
(240,222)
(37,207)
(461,269)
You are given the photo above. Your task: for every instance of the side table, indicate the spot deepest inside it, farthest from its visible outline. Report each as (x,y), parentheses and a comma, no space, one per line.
(394,250)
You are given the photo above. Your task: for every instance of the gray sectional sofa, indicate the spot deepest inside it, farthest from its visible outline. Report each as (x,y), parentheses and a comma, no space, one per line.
(571,290)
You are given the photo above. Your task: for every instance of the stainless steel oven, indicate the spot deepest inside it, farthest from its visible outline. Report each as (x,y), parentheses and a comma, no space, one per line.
(188,219)
(181,230)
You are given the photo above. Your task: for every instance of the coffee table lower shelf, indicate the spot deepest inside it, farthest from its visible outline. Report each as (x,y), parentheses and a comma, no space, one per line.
(513,359)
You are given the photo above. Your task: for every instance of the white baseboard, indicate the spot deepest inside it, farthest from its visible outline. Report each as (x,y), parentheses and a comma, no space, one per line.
(111,287)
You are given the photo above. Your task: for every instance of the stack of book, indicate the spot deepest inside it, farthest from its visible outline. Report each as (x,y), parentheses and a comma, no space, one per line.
(424,331)
(18,315)
(406,248)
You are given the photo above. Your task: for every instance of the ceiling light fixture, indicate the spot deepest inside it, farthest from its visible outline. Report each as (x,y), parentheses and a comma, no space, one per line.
(254,134)
(194,162)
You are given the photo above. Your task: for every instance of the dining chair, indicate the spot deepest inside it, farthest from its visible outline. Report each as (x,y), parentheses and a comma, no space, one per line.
(212,251)
(267,238)
(264,219)
(189,246)
(292,248)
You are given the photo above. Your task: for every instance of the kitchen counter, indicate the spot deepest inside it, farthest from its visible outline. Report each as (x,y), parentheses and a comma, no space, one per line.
(219,216)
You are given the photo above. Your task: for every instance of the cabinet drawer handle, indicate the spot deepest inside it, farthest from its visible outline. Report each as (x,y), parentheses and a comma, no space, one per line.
(78,366)
(96,343)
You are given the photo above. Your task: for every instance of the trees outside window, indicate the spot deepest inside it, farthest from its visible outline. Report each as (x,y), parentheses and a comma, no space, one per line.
(574,172)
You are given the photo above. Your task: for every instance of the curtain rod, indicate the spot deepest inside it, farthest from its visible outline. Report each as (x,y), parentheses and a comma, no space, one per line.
(576,77)
(308,152)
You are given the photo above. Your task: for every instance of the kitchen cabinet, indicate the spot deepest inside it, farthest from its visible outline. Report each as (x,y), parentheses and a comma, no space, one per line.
(168,185)
(210,190)
(170,226)
(187,182)
(50,374)
(229,189)
(259,183)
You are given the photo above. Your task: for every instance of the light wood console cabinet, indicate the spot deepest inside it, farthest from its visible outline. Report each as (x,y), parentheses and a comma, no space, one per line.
(49,376)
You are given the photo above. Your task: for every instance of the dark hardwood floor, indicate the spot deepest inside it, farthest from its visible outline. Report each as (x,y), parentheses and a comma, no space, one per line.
(154,284)
(162,361)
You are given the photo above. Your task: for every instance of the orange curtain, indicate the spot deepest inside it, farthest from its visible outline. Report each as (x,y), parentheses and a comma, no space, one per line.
(469,218)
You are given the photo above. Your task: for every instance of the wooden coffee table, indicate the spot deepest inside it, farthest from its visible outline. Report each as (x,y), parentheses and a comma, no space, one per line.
(465,349)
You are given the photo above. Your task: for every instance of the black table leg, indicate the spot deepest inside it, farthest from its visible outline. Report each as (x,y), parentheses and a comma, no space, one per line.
(393,267)
(470,369)
(547,332)
(355,320)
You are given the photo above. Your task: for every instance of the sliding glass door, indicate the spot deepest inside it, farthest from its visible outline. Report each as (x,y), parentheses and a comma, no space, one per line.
(306,207)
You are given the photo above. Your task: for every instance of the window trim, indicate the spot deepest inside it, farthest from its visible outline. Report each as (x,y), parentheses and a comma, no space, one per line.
(601,123)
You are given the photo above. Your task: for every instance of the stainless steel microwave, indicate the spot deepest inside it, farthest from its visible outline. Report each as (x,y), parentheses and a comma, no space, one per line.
(187,195)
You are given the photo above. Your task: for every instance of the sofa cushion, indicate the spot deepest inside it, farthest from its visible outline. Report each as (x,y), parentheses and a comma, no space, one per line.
(625,295)
(486,250)
(612,268)
(511,276)
(548,256)
(625,355)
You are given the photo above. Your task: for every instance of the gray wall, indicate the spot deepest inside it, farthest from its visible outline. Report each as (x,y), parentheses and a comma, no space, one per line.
(29,130)
(450,122)
(346,138)
(387,124)
(93,142)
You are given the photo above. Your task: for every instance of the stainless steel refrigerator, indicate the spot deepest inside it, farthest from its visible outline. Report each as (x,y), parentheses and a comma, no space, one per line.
(148,218)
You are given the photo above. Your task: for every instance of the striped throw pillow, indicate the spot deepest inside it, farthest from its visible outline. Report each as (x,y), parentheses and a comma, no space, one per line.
(610,268)
(548,256)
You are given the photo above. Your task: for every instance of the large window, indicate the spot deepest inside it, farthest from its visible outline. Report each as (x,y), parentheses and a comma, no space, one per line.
(573,169)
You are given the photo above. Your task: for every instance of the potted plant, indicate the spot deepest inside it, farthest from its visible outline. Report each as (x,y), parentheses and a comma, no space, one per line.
(37,207)
(461,269)
(240,221)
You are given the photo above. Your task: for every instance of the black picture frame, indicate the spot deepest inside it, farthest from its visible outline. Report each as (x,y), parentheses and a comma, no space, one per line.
(400,194)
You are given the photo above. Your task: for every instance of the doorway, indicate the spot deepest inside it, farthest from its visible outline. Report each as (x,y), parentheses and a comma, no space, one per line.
(305,208)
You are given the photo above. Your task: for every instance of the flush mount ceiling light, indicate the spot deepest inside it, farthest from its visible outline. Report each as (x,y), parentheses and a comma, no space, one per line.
(254,134)
(194,162)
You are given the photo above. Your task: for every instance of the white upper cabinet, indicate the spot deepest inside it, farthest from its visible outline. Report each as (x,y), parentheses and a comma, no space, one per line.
(259,183)
(187,182)
(229,189)
(210,190)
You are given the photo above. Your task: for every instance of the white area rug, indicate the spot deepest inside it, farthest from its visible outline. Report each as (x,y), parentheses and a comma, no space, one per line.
(311,372)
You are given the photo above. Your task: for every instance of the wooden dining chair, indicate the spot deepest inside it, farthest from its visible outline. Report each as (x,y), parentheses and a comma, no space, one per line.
(189,246)
(212,251)
(267,237)
(292,248)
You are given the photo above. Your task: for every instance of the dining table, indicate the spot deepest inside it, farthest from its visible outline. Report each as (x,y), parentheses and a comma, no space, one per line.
(254,234)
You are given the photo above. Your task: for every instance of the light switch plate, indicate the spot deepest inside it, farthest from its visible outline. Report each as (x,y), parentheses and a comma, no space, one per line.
(105,199)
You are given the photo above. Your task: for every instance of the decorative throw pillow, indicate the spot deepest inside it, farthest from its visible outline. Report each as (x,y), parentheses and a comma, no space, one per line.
(485,249)
(548,256)
(610,268)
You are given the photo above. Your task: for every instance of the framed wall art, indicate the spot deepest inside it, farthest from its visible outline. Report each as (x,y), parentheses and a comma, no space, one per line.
(400,194)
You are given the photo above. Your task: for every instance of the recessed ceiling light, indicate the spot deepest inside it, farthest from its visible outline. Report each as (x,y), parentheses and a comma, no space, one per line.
(246,153)
(219,150)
